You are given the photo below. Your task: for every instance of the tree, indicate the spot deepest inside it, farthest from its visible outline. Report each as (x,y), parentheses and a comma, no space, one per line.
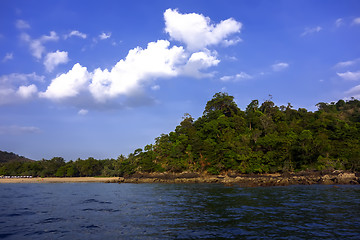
(223,103)
(252,113)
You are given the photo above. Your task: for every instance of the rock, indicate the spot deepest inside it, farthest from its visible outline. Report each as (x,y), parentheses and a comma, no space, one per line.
(346,178)
(327,180)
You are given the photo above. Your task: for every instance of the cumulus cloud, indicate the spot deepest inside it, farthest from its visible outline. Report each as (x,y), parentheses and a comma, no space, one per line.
(308,31)
(9,95)
(139,66)
(55,58)
(129,76)
(18,130)
(17,87)
(351,76)
(124,84)
(237,77)
(27,92)
(199,61)
(67,85)
(280,66)
(104,36)
(21,24)
(37,45)
(76,33)
(197,31)
(7,57)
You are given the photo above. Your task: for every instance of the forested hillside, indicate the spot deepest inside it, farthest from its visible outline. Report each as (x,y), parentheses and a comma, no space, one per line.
(11,157)
(264,138)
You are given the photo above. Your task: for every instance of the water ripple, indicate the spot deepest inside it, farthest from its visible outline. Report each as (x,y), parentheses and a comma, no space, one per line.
(170,211)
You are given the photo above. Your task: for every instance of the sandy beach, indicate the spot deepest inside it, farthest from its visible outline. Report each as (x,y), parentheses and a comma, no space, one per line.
(245,180)
(60,180)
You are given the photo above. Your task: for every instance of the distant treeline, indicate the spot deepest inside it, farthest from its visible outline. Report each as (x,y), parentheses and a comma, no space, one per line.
(11,157)
(264,138)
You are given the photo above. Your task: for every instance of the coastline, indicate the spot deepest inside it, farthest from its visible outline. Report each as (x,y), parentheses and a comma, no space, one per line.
(242,180)
(249,180)
(61,180)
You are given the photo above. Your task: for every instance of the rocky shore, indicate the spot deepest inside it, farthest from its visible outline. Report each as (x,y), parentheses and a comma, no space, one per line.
(241,180)
(249,180)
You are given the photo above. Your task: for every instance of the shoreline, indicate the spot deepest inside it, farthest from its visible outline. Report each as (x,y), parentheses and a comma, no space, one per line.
(61,180)
(241,180)
(250,180)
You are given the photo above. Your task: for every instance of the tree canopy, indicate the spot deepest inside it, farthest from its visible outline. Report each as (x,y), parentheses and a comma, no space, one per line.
(264,138)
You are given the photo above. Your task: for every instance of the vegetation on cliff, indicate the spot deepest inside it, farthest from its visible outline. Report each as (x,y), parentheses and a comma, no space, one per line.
(264,138)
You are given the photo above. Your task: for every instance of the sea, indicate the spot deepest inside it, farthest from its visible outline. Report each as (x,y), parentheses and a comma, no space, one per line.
(177,211)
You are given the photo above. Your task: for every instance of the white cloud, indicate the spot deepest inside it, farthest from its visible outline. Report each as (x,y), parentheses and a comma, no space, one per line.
(339,22)
(229,42)
(197,31)
(356,21)
(15,78)
(37,45)
(10,93)
(129,76)
(21,24)
(83,112)
(243,75)
(16,87)
(55,58)
(227,78)
(280,66)
(354,92)
(346,63)
(18,130)
(104,36)
(139,66)
(352,76)
(67,85)
(52,37)
(237,77)
(7,57)
(199,61)
(27,92)
(7,96)
(124,83)
(308,31)
(231,58)
(155,87)
(75,33)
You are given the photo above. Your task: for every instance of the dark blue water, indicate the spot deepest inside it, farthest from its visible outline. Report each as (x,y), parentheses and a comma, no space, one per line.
(171,211)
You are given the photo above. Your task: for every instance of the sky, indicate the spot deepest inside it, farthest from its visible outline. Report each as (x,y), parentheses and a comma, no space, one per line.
(98,79)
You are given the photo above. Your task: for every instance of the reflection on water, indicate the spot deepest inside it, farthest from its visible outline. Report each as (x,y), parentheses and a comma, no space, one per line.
(177,211)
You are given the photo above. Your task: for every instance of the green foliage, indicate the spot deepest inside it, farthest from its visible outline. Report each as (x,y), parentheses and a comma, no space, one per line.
(262,139)
(223,103)
(12,157)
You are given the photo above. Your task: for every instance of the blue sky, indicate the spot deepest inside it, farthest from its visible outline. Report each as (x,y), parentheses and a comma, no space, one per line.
(83,79)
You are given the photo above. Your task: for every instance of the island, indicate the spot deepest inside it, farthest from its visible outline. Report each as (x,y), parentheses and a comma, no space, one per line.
(264,145)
